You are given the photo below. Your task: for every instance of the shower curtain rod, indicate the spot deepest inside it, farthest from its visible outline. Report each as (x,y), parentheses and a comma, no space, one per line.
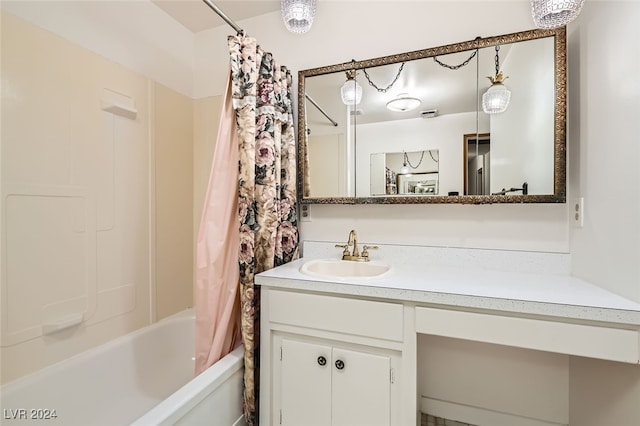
(314,103)
(239,30)
(217,10)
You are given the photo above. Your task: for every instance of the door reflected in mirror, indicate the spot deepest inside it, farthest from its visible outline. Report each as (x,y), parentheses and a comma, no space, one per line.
(476,160)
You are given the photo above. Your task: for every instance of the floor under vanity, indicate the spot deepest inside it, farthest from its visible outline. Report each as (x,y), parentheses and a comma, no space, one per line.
(478,337)
(429,420)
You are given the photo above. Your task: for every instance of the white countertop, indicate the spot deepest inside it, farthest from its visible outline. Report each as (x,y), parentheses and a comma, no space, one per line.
(545,294)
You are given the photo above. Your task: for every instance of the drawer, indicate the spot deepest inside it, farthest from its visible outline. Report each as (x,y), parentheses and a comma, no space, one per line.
(573,339)
(367,318)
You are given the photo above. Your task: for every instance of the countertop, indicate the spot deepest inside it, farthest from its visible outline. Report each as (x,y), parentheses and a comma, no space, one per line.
(562,296)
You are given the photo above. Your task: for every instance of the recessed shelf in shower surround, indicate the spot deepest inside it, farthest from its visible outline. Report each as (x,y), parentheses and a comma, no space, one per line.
(118,104)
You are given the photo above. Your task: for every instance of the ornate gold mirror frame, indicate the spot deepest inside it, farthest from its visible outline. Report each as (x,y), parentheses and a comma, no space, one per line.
(559,167)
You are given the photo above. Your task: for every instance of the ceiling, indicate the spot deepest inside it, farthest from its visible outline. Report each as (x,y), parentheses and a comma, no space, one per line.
(196,16)
(438,88)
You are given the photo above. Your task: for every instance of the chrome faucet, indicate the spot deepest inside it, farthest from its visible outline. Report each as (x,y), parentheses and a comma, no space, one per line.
(355,254)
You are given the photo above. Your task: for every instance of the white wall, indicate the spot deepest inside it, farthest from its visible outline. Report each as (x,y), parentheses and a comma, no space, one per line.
(343,31)
(604,148)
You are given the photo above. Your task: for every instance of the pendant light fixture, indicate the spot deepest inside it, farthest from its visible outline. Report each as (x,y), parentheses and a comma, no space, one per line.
(351,91)
(496,99)
(555,13)
(404,169)
(298,14)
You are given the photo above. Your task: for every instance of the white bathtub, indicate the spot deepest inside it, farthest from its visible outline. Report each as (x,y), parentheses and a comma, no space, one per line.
(144,378)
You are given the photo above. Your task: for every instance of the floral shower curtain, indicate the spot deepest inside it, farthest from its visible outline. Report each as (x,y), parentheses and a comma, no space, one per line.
(266,186)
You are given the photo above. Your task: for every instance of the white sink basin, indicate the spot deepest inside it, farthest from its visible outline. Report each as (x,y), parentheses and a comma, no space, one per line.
(334,268)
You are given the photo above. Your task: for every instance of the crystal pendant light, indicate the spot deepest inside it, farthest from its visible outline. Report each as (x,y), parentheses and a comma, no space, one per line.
(298,14)
(554,13)
(496,99)
(351,91)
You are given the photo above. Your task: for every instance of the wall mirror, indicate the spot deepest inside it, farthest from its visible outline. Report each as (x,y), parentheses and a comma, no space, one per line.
(412,128)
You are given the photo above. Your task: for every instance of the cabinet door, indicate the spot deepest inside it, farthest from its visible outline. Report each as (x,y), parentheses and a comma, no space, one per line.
(305,384)
(361,389)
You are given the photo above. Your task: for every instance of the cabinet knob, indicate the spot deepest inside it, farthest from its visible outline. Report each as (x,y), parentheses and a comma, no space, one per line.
(339,364)
(322,360)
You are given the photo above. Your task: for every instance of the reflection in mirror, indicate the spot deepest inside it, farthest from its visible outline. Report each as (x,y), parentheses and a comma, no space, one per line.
(330,144)
(522,148)
(404,173)
(344,153)
(477,177)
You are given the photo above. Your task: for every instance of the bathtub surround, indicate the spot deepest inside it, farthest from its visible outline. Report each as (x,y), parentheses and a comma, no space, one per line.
(173,132)
(99,194)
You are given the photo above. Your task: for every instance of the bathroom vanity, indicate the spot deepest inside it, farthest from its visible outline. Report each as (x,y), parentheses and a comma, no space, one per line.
(343,351)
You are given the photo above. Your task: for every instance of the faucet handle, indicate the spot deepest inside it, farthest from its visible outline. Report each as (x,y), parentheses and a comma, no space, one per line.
(365,250)
(345,247)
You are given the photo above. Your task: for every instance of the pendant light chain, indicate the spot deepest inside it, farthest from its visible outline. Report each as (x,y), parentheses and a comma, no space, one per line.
(497,59)
(406,160)
(386,89)
(455,67)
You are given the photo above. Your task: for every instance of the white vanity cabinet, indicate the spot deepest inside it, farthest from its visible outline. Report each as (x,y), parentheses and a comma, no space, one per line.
(319,384)
(330,361)
(392,334)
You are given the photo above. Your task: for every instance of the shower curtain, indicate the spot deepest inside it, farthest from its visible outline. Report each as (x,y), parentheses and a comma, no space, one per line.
(250,216)
(217,273)
(266,186)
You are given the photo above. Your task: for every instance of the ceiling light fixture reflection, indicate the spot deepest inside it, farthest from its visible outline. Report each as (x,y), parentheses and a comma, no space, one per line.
(403,103)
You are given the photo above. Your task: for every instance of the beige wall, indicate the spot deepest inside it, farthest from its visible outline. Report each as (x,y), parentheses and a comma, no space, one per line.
(504,380)
(173,132)
(206,121)
(603,393)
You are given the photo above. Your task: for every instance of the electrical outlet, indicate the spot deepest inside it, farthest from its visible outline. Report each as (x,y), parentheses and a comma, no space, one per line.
(305,213)
(578,212)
